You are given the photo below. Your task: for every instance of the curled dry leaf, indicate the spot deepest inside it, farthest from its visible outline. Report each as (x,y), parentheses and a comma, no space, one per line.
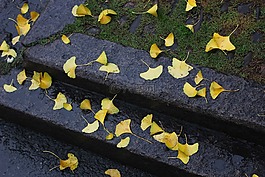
(80,11)
(113,173)
(146,122)
(124,142)
(21,77)
(154,51)
(9,88)
(65,39)
(103,17)
(70,66)
(24,9)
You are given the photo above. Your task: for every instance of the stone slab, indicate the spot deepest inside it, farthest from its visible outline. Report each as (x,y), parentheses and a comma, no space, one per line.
(21,152)
(53,19)
(219,154)
(233,112)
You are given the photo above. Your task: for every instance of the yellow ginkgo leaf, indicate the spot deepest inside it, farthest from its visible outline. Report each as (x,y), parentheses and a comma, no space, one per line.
(124,142)
(179,69)
(123,127)
(67,106)
(107,104)
(45,80)
(101,115)
(160,137)
(254,175)
(80,11)
(34,16)
(21,21)
(90,128)
(216,89)
(220,42)
(70,66)
(23,30)
(65,39)
(59,101)
(153,10)
(151,73)
(35,81)
(71,162)
(24,9)
(15,40)
(190,4)
(10,52)
(188,149)
(155,128)
(189,90)
(103,17)
(202,93)
(113,173)
(154,51)
(110,68)
(183,157)
(86,105)
(110,136)
(198,78)
(4,46)
(102,59)
(169,40)
(170,139)
(9,88)
(191,27)
(21,77)
(146,122)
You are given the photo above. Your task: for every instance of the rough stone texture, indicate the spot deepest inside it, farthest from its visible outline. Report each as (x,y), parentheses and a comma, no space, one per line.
(219,154)
(57,14)
(233,112)
(21,152)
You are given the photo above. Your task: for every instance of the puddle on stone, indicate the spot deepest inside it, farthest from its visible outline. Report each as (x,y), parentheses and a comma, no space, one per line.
(135,24)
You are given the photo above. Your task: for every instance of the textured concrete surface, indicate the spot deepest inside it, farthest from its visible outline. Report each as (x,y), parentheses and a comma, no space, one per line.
(21,152)
(235,113)
(218,155)
(53,19)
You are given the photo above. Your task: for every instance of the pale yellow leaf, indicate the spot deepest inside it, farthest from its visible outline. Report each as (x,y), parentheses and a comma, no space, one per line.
(113,173)
(124,142)
(90,128)
(146,122)
(152,73)
(4,46)
(15,40)
(220,42)
(70,66)
(154,51)
(123,127)
(59,101)
(189,90)
(10,52)
(9,88)
(45,80)
(183,157)
(110,68)
(21,77)
(103,17)
(107,104)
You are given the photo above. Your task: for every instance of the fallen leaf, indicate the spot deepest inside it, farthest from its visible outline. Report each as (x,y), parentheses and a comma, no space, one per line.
(190,5)
(186,150)
(80,11)
(146,122)
(202,93)
(171,140)
(23,30)
(191,27)
(189,90)
(123,127)
(103,17)
(21,77)
(151,73)
(254,175)
(216,89)
(102,59)
(183,157)
(113,173)
(4,46)
(90,128)
(198,78)
(7,51)
(101,115)
(34,16)
(45,80)
(67,106)
(59,101)
(71,162)
(220,42)
(153,10)
(15,40)
(107,104)
(179,69)
(154,51)
(70,66)
(24,9)
(86,105)
(124,142)
(110,136)
(65,39)
(169,40)
(9,88)
(155,128)
(110,68)
(35,81)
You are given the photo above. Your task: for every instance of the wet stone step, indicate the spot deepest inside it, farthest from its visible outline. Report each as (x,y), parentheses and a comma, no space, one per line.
(234,113)
(219,154)
(21,152)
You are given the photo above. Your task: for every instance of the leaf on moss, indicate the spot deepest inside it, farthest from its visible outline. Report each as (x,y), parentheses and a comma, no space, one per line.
(80,11)
(104,17)
(154,51)
(190,5)
(153,10)
(169,40)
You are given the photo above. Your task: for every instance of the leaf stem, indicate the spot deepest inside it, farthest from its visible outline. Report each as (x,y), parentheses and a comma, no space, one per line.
(231,90)
(187,56)
(52,154)
(12,20)
(46,93)
(87,64)
(11,83)
(141,138)
(85,119)
(114,97)
(145,63)
(54,167)
(106,77)
(234,30)
(139,13)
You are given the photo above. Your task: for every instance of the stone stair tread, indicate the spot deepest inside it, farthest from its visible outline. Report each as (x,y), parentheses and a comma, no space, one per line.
(218,155)
(236,112)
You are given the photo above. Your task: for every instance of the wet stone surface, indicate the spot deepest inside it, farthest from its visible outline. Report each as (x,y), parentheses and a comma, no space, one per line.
(21,152)
(218,155)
